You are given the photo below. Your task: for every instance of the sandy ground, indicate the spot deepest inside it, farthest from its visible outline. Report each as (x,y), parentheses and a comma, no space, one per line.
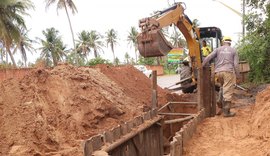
(247,134)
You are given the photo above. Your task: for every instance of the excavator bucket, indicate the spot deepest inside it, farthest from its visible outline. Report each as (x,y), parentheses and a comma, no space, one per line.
(153,43)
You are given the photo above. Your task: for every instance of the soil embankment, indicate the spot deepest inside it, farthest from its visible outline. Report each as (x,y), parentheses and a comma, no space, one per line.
(51,111)
(247,134)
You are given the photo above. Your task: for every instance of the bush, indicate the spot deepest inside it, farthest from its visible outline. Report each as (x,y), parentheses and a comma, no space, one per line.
(98,60)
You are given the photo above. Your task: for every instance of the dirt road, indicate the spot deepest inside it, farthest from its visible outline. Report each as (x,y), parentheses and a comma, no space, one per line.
(168,81)
(247,134)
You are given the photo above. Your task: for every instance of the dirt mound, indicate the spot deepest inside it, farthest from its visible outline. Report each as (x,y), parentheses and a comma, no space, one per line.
(261,116)
(247,134)
(50,111)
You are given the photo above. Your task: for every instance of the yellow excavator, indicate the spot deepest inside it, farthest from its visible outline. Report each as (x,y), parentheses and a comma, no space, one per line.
(152,42)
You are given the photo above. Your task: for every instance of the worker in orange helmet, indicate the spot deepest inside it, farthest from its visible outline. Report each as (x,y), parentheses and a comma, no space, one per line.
(226,71)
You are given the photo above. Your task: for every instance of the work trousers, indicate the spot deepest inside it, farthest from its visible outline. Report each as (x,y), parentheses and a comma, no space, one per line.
(227,81)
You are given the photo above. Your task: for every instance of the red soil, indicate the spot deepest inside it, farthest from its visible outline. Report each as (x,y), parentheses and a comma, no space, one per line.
(247,134)
(51,111)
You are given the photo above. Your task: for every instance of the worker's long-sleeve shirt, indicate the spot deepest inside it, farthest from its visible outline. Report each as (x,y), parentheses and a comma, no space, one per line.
(226,59)
(185,72)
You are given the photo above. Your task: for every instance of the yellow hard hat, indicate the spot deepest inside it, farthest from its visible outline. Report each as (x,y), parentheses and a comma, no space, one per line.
(227,39)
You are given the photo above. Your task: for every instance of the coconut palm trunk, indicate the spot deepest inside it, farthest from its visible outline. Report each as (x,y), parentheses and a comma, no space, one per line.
(11,57)
(95,53)
(136,55)
(71,29)
(113,53)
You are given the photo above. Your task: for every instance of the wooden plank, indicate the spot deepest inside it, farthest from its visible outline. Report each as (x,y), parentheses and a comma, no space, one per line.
(185,103)
(138,121)
(93,144)
(176,114)
(178,120)
(124,128)
(147,116)
(185,135)
(161,108)
(200,89)
(206,94)
(131,134)
(213,92)
(108,136)
(178,147)
(116,132)
(172,148)
(154,90)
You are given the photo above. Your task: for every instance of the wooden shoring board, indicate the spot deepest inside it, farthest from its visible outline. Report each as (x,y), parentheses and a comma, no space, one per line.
(185,134)
(95,143)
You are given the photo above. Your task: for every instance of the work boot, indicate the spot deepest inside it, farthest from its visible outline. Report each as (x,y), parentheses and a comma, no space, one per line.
(226,109)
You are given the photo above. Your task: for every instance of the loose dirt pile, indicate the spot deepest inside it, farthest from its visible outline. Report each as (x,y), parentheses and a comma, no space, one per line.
(247,134)
(50,111)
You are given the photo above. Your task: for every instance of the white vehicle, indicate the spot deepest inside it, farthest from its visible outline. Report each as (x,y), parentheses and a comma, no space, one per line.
(143,69)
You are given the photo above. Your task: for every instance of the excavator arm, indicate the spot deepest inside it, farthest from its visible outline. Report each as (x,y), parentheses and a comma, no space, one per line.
(152,43)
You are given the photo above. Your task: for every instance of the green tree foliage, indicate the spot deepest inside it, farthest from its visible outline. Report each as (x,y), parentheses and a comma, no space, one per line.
(111,40)
(95,42)
(98,60)
(65,4)
(127,58)
(147,60)
(256,45)
(52,47)
(24,45)
(117,61)
(11,20)
(83,46)
(132,40)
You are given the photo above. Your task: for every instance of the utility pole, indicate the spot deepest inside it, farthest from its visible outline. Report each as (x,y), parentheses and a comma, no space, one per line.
(243,17)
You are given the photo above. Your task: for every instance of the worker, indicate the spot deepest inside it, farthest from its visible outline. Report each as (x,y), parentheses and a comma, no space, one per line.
(206,50)
(185,71)
(226,71)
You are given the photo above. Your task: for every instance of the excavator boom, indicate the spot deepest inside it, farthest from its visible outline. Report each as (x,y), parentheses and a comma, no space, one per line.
(152,43)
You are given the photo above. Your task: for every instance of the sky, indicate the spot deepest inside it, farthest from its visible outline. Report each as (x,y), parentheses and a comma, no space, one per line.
(121,15)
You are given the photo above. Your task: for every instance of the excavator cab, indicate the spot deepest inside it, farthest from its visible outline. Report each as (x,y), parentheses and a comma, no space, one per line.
(212,35)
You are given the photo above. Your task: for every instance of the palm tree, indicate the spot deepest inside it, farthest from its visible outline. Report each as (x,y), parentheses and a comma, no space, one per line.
(83,43)
(95,42)
(177,39)
(24,44)
(11,19)
(52,46)
(111,39)
(65,4)
(127,57)
(132,40)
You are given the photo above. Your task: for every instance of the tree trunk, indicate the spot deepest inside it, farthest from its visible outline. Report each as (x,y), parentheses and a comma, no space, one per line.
(11,57)
(135,56)
(113,54)
(72,34)
(55,62)
(95,53)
